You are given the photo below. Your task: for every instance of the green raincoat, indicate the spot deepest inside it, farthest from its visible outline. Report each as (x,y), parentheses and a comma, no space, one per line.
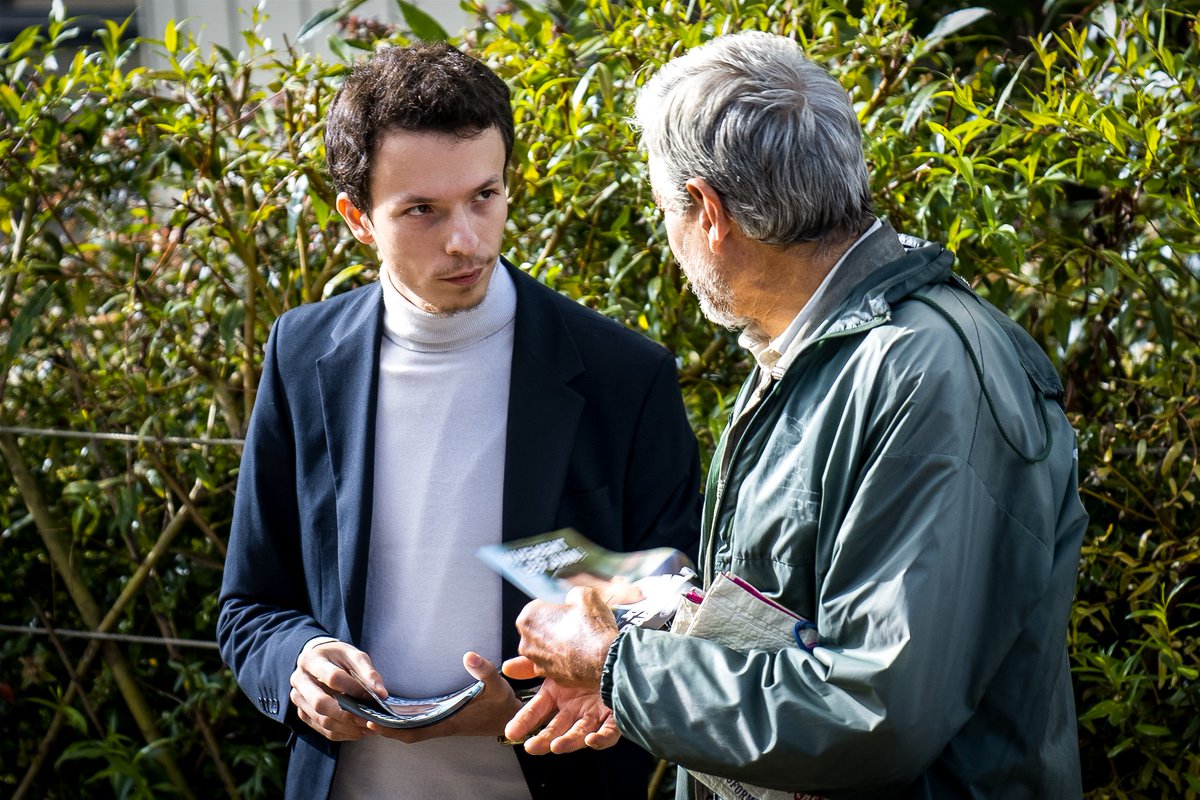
(927,521)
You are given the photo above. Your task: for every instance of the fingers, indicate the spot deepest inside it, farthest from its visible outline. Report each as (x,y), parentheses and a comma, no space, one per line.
(539,743)
(336,665)
(574,738)
(321,712)
(563,734)
(606,737)
(361,665)
(530,717)
(520,668)
(590,732)
(324,671)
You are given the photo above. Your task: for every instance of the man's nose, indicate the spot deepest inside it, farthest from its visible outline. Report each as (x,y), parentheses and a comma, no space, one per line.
(462,239)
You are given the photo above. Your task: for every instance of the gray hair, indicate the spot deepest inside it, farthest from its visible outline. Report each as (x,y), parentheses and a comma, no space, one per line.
(771,131)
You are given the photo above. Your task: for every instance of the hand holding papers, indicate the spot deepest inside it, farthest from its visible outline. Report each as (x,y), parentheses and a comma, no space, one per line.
(603,592)
(642,588)
(566,644)
(408,712)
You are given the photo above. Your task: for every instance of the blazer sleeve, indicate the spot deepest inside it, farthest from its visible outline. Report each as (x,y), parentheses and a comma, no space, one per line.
(265,616)
(662,490)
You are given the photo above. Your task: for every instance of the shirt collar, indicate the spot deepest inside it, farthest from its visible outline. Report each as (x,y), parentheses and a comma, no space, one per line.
(774,356)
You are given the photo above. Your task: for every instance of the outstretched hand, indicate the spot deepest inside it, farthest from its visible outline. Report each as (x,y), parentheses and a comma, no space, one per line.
(574,718)
(565,644)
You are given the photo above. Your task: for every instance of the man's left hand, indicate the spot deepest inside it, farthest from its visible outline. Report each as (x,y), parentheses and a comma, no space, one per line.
(577,718)
(567,645)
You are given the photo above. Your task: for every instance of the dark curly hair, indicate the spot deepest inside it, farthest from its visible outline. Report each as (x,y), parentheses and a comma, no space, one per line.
(422,87)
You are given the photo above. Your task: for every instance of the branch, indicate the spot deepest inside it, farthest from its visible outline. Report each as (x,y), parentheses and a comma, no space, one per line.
(51,528)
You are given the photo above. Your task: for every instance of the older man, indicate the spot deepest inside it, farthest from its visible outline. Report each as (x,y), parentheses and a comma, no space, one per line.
(898,470)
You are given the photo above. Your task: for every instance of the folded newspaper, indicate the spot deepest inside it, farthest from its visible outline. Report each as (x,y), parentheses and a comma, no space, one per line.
(642,587)
(408,712)
(733,613)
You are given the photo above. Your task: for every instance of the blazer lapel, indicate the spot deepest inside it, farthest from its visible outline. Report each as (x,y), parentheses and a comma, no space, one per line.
(543,413)
(348,378)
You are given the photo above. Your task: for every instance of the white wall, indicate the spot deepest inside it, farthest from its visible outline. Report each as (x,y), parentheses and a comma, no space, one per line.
(221,21)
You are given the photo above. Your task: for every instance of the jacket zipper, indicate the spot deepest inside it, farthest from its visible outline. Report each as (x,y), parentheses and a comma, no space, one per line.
(733,442)
(737,432)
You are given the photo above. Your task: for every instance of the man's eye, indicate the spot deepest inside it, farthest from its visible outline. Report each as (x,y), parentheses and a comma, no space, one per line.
(418,211)
(487,194)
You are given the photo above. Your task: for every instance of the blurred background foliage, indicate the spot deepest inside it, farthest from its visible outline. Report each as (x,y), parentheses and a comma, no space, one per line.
(154,221)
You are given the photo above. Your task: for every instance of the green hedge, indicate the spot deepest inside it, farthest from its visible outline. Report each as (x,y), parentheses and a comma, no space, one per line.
(154,222)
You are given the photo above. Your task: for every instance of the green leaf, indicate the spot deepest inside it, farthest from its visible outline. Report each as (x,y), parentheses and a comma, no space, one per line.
(952,23)
(1039,119)
(80,489)
(423,26)
(919,105)
(1173,453)
(1110,132)
(349,273)
(23,325)
(12,100)
(1152,730)
(326,16)
(1164,324)
(21,45)
(342,49)
(1105,708)
(231,322)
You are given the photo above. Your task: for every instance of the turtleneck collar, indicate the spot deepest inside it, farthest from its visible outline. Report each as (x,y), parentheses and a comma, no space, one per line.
(415,329)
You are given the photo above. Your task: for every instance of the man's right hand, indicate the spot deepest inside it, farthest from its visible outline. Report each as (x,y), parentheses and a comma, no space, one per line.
(322,672)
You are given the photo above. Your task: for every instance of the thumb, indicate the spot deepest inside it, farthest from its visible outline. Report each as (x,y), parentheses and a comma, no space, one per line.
(480,668)
(364,670)
(519,668)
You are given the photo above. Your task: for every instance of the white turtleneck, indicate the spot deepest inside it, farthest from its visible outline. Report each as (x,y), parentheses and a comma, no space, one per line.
(440,434)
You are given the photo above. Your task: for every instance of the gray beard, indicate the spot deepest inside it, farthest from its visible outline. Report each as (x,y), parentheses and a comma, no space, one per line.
(716,301)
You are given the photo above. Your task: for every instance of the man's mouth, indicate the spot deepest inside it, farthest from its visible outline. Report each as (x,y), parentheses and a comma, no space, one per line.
(465,278)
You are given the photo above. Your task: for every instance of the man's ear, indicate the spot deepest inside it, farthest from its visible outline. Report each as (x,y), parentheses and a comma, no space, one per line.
(714,220)
(360,223)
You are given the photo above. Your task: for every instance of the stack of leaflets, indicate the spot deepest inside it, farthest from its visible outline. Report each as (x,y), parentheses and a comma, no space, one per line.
(408,712)
(642,587)
(734,613)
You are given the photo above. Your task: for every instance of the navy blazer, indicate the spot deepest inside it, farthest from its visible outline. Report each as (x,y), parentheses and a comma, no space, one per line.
(597,440)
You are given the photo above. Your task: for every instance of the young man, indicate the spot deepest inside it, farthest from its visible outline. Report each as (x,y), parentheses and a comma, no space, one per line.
(400,426)
(898,470)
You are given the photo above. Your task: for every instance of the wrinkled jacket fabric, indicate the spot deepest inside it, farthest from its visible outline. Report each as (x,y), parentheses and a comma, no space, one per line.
(872,491)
